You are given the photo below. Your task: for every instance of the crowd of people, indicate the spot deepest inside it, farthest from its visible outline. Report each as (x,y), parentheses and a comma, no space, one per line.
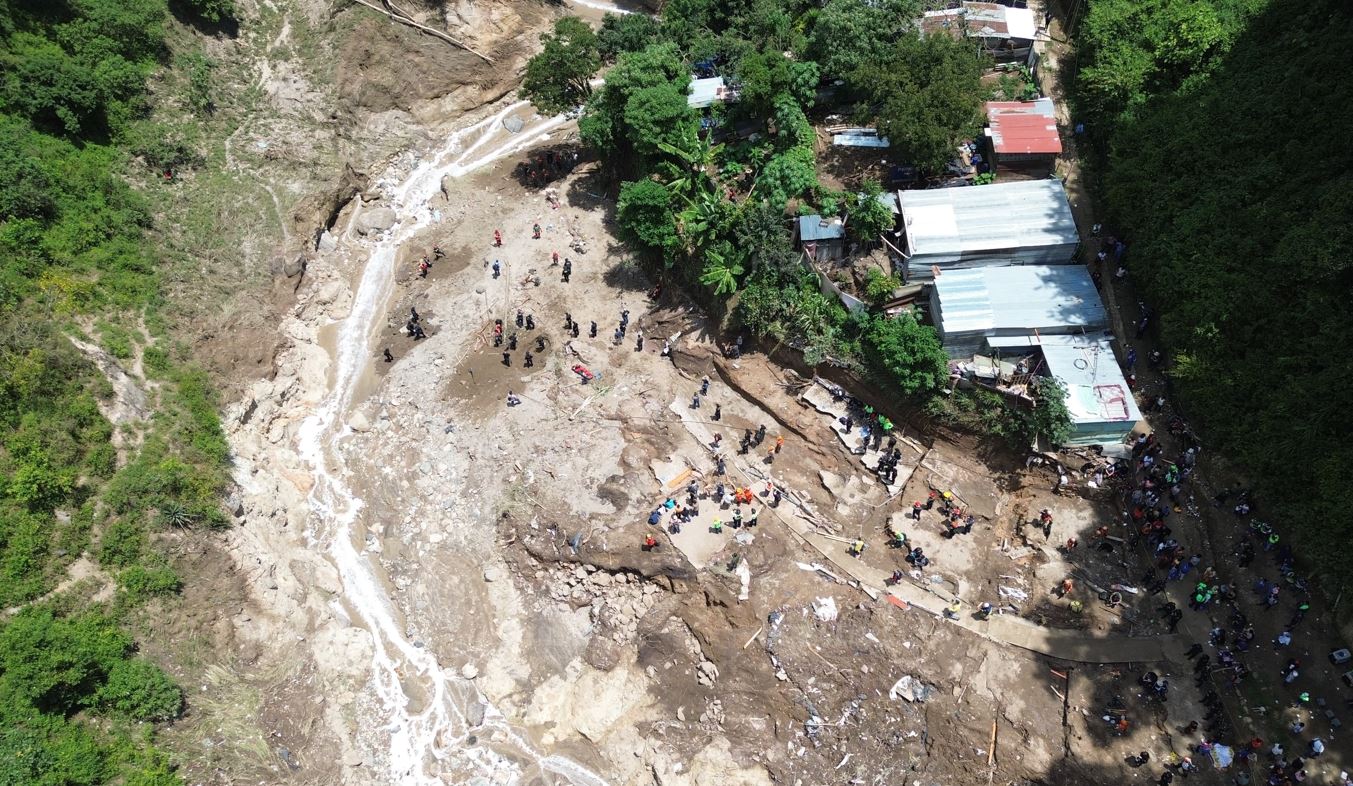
(1154,488)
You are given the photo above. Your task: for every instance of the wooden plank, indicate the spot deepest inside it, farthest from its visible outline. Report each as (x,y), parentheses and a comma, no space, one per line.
(898,602)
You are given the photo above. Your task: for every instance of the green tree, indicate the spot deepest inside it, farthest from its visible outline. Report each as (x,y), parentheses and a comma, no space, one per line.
(849,34)
(138,689)
(722,268)
(904,354)
(765,76)
(1050,419)
(621,33)
(558,78)
(604,125)
(644,215)
(1261,383)
(869,217)
(925,95)
(787,176)
(879,286)
(658,115)
(54,664)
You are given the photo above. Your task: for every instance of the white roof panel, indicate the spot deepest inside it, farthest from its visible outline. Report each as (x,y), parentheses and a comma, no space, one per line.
(977,219)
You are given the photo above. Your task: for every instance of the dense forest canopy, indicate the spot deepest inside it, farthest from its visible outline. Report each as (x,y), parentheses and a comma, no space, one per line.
(1220,125)
(75,262)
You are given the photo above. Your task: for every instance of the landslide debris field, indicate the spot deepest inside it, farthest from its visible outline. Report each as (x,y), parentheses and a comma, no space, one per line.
(506,502)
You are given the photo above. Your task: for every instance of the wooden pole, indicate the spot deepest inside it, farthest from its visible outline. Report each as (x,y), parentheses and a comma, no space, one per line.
(405,20)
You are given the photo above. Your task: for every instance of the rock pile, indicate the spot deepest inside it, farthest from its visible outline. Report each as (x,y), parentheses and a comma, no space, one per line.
(617,601)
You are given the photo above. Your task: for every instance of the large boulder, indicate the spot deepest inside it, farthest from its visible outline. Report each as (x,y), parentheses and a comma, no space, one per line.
(375,220)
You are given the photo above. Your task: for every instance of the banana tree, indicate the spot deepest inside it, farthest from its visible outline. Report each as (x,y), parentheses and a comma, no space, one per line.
(722,268)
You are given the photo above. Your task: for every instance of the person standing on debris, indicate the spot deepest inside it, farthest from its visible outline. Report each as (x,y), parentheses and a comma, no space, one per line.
(513,399)
(984,611)
(423,266)
(856,548)
(916,510)
(507,359)
(540,344)
(704,386)
(650,542)
(512,342)
(953,609)
(695,399)
(497,238)
(530,322)
(528,360)
(568,321)
(575,329)
(535,231)
(639,344)
(521,318)
(568,269)
(497,269)
(592,333)
(413,314)
(779,443)
(388,357)
(718,408)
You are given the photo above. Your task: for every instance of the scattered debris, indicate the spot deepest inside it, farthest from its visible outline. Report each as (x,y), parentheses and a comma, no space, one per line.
(911,689)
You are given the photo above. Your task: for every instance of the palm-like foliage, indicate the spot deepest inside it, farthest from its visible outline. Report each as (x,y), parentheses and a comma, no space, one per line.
(722,268)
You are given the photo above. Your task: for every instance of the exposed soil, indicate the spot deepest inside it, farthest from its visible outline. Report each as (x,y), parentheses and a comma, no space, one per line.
(508,540)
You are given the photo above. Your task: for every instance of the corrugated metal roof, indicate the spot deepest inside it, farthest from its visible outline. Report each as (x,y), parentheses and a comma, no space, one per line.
(987,20)
(1023,297)
(704,92)
(1101,404)
(860,137)
(974,219)
(1024,126)
(813,228)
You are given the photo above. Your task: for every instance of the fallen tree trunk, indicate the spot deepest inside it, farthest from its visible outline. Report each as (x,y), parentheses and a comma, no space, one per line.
(403,18)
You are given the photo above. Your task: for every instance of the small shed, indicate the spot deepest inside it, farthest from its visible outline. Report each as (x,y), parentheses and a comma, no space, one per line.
(1023,136)
(822,239)
(1103,409)
(1021,223)
(1006,33)
(970,308)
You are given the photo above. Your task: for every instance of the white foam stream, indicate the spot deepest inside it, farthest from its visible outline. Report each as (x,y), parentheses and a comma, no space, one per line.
(427,745)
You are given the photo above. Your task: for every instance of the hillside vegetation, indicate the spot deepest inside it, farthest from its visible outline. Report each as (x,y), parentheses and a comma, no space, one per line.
(710,208)
(1220,123)
(706,197)
(75,698)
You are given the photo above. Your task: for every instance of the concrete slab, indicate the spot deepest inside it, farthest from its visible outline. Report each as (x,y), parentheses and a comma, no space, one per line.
(822,400)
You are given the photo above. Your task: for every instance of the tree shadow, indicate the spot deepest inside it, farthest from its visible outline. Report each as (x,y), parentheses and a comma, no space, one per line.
(591,190)
(185,13)
(548,165)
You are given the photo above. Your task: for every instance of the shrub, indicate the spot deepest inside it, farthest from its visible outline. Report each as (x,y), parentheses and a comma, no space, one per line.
(121,545)
(139,690)
(141,583)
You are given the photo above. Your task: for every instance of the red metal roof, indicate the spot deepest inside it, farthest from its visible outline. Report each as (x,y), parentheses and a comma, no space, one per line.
(1023,127)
